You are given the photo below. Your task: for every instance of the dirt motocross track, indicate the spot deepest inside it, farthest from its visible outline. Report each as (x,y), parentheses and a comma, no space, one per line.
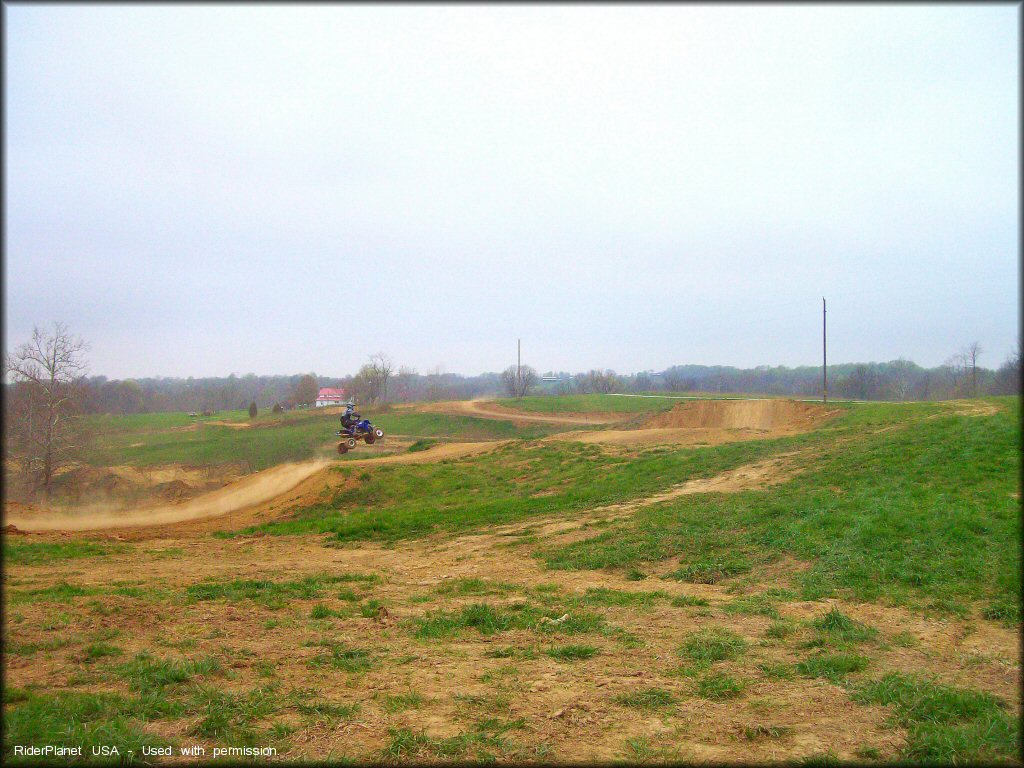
(699,422)
(554,710)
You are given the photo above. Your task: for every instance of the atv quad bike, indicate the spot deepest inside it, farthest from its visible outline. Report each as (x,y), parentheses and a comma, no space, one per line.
(361,430)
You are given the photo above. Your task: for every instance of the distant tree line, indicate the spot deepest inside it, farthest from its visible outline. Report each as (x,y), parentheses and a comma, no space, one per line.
(960,376)
(380,381)
(368,386)
(896,380)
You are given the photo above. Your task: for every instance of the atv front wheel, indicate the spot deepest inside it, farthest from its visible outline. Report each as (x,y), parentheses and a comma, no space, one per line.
(378,434)
(351,443)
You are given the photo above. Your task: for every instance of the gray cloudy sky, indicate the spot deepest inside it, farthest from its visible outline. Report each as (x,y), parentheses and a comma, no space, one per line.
(200,190)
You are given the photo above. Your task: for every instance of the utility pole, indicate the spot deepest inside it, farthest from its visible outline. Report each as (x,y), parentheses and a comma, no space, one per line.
(519,360)
(824,356)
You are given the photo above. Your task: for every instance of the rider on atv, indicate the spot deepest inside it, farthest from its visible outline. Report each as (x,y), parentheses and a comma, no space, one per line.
(353,429)
(349,418)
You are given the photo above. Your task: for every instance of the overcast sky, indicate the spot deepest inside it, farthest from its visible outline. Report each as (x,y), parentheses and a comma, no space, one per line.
(200,190)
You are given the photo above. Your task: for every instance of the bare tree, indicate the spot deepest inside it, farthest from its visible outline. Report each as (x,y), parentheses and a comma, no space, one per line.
(519,381)
(902,371)
(970,355)
(598,382)
(47,374)
(382,368)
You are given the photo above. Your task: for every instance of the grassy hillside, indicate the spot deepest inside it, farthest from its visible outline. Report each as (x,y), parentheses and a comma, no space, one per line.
(913,503)
(925,512)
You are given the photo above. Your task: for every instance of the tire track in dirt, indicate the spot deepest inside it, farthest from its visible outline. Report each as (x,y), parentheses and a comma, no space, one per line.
(761,474)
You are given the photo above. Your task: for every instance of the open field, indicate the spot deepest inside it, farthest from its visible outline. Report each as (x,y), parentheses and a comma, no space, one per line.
(558,579)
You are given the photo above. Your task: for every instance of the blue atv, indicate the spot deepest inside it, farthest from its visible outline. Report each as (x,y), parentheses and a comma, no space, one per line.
(359,429)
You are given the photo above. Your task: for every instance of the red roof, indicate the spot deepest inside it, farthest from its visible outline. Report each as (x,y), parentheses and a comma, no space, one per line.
(329,393)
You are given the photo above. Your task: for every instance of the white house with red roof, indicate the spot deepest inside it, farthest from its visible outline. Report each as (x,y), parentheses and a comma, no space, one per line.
(330,396)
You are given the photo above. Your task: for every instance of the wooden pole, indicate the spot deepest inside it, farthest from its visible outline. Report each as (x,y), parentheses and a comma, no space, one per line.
(824,356)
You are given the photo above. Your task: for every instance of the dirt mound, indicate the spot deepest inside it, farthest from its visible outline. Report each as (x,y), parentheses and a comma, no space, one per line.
(761,415)
(252,489)
(94,481)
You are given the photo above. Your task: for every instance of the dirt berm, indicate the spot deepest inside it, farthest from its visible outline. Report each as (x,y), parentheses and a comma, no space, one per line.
(762,415)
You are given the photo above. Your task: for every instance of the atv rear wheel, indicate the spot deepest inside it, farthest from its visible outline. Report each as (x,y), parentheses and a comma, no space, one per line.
(369,439)
(342,448)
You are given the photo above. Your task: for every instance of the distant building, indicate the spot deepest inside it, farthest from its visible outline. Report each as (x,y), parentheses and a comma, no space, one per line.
(330,396)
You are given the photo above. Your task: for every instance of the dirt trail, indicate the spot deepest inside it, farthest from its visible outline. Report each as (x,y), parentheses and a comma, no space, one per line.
(255,490)
(972,408)
(488,409)
(761,474)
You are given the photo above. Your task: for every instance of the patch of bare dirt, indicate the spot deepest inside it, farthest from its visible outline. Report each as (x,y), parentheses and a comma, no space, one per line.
(971,407)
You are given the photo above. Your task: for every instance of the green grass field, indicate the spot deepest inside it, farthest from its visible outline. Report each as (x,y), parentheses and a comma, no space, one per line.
(173,438)
(881,578)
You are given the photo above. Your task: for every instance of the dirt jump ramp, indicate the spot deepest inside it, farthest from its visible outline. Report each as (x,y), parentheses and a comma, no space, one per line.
(711,422)
(762,415)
